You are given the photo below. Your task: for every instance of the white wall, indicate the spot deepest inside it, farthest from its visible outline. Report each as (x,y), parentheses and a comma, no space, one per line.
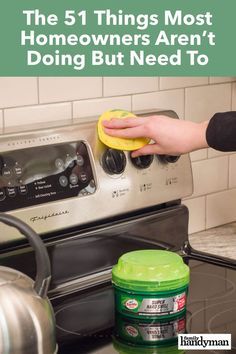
(36,100)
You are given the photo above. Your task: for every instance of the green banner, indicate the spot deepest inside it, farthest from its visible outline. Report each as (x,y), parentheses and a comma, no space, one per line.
(118,38)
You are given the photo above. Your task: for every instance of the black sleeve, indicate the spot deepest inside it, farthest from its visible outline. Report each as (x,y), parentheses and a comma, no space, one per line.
(221,131)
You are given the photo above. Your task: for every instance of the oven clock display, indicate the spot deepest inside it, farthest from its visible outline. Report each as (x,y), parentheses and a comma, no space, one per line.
(43,174)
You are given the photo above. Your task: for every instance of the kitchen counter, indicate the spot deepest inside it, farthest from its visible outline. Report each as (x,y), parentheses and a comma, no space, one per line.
(219,240)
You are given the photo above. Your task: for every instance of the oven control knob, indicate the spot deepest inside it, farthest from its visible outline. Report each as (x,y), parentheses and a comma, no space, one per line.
(168,158)
(142,162)
(114,161)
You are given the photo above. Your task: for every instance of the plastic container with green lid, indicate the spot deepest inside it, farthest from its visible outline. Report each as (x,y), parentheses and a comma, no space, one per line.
(150,284)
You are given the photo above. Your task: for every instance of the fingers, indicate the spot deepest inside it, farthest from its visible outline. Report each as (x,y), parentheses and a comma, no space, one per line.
(135,132)
(128,122)
(149,149)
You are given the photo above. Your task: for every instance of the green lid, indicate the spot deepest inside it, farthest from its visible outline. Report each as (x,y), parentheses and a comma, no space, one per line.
(150,270)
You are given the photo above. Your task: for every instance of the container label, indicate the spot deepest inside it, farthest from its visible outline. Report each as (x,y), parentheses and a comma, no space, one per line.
(140,305)
(163,306)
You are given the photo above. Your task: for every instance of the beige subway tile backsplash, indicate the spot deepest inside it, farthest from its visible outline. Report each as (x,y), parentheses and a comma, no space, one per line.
(220,208)
(198,155)
(215,153)
(220,79)
(210,175)
(234,97)
(59,89)
(89,108)
(173,99)
(201,103)
(115,86)
(181,82)
(37,114)
(197,212)
(232,171)
(1,121)
(18,91)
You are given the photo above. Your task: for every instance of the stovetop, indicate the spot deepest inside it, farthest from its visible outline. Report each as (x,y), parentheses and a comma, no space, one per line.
(86,321)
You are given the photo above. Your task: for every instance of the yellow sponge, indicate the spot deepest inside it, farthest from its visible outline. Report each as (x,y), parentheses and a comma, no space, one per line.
(119,143)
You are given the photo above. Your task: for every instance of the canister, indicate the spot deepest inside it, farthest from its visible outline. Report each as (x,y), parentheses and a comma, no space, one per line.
(150,284)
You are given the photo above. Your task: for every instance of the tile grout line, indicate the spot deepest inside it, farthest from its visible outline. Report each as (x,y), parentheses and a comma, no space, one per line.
(64,102)
(197,86)
(68,101)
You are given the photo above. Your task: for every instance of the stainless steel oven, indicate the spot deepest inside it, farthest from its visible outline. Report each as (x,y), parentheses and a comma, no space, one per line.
(91,204)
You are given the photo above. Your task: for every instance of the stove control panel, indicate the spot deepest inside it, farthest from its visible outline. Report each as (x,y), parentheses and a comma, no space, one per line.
(43,174)
(64,176)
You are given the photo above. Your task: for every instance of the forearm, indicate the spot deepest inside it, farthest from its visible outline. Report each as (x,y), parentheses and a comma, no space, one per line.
(199,140)
(176,136)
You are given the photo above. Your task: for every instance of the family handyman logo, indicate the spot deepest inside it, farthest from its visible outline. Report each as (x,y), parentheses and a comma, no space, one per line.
(204,341)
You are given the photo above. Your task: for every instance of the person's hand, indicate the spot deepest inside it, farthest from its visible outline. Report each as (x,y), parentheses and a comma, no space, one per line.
(169,136)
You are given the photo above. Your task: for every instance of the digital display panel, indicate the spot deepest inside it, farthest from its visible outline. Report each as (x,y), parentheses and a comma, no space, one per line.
(43,174)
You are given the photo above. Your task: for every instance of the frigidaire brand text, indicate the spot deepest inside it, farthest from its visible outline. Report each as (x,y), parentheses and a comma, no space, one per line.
(45,217)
